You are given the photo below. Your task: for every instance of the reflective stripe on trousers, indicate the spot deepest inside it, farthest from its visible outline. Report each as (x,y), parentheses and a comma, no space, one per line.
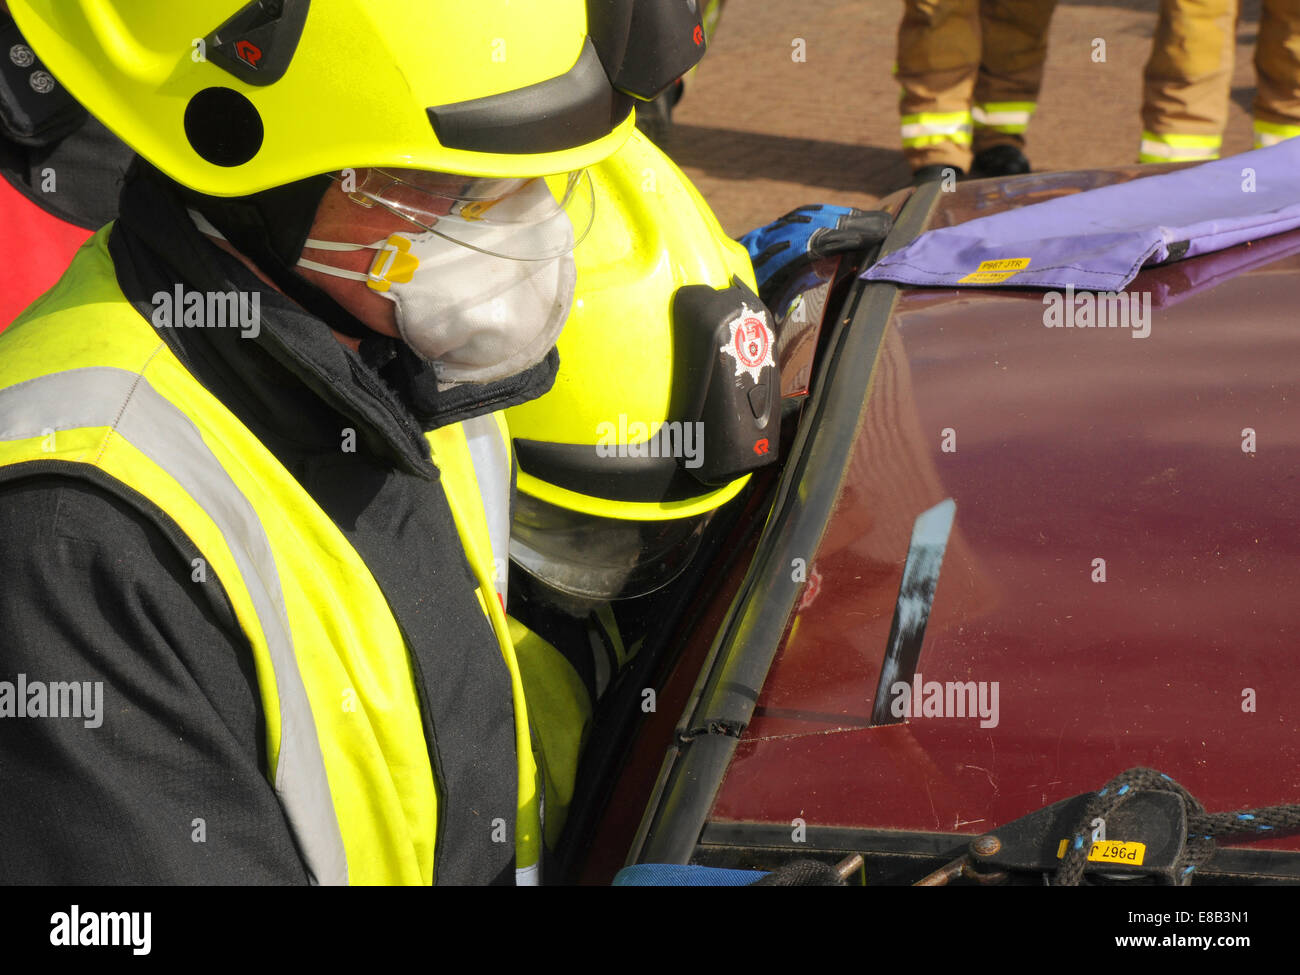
(1174,147)
(927,128)
(1011,117)
(1271,133)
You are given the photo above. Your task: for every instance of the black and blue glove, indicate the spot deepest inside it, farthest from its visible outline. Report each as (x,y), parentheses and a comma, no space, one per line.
(807,234)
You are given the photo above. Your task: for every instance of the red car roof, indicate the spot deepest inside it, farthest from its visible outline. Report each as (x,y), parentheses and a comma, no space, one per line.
(1060,447)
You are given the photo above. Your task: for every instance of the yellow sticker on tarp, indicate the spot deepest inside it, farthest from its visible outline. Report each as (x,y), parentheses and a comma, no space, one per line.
(1111,851)
(995,272)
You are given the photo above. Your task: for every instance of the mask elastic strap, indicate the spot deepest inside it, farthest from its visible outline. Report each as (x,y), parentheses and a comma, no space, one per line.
(331,245)
(334,245)
(338,272)
(392,263)
(205,226)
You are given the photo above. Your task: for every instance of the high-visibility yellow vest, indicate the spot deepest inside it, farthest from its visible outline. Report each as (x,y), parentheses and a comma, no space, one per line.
(86,382)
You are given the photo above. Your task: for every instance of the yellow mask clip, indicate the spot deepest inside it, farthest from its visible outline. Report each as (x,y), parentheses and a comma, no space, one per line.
(394,264)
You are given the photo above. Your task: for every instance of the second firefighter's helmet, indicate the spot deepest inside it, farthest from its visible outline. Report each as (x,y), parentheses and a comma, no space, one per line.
(667,395)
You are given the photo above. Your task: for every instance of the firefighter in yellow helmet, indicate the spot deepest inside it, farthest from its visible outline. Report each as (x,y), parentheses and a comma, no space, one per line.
(248,437)
(650,427)
(1188,76)
(666,403)
(970,71)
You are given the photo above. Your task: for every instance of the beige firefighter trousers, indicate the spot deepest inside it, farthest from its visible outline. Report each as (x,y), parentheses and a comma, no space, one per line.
(1187,79)
(970,72)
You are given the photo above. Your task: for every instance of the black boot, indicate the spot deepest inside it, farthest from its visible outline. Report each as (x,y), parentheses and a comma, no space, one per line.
(999,161)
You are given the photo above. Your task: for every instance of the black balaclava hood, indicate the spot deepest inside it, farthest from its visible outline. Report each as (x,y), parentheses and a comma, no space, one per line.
(270,229)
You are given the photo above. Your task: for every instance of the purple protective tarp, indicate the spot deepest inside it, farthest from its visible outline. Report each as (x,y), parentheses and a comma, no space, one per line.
(1098,240)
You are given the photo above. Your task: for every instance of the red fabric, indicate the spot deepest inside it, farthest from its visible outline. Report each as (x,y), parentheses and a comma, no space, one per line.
(35,249)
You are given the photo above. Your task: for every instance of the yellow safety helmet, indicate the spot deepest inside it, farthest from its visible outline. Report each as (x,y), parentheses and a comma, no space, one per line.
(245,106)
(229,98)
(667,394)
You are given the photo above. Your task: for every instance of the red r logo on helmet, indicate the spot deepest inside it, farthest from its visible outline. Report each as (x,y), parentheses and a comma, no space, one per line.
(698,35)
(760,446)
(248,52)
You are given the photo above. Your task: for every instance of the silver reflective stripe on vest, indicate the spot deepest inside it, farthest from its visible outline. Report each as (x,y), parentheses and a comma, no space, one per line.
(489,452)
(491,458)
(124,401)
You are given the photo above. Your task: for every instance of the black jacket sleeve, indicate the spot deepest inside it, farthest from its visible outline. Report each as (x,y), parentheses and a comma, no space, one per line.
(167,784)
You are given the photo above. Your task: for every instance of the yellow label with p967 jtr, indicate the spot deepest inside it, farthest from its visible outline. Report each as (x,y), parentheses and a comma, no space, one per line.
(995,272)
(1111,851)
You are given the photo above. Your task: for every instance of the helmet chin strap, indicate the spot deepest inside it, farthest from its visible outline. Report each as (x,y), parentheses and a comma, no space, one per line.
(270,229)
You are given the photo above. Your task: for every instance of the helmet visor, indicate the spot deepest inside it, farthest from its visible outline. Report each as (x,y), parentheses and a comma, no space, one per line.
(533,219)
(601,558)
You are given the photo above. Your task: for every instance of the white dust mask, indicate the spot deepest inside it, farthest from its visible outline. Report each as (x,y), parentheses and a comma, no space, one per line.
(475,315)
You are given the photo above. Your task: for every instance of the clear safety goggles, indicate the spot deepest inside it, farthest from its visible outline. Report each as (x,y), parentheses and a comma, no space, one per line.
(527,219)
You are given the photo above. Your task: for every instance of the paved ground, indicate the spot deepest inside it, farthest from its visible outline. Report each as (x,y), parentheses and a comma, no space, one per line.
(760,133)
